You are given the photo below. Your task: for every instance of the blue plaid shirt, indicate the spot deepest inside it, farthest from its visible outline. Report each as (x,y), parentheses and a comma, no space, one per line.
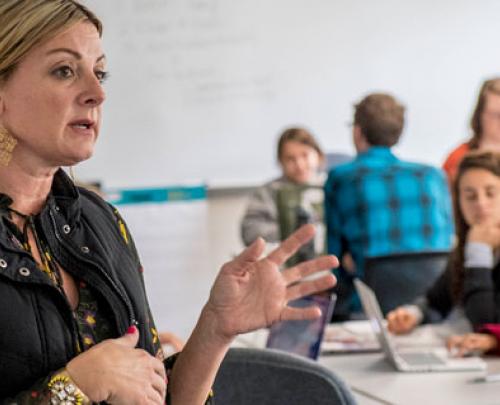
(378,205)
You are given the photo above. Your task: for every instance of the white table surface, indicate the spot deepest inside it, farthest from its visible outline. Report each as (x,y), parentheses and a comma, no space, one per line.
(374,381)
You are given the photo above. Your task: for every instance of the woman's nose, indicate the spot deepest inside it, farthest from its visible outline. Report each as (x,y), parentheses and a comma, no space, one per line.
(93,94)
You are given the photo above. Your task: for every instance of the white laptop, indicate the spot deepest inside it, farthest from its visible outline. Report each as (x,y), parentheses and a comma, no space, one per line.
(425,359)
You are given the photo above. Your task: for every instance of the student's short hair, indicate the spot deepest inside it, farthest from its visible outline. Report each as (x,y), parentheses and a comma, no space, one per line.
(380,118)
(491,86)
(300,135)
(26,23)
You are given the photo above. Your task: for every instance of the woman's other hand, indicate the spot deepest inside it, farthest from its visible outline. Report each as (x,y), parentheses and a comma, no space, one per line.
(400,321)
(251,292)
(116,372)
(471,343)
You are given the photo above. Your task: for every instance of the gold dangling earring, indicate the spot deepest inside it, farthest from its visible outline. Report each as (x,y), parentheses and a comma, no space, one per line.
(7,145)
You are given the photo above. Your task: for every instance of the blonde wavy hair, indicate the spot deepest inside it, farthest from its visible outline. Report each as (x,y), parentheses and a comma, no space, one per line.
(26,23)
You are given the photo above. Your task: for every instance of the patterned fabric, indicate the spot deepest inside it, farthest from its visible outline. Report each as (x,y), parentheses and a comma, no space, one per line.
(93,325)
(93,320)
(379,205)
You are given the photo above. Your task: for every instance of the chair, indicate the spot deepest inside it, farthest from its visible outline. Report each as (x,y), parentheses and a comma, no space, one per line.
(272,377)
(399,279)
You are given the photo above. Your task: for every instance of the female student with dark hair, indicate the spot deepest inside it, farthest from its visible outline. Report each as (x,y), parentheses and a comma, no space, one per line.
(75,322)
(472,277)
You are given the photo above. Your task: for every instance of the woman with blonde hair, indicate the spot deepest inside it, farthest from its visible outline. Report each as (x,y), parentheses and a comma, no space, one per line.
(76,325)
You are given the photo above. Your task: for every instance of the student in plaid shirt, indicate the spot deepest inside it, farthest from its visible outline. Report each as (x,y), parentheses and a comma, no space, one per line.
(379,205)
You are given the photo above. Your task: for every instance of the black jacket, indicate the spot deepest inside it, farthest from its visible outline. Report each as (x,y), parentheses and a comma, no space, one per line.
(480,298)
(85,234)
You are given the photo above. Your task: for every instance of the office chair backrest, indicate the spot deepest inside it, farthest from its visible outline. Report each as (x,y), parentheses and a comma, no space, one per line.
(272,377)
(399,279)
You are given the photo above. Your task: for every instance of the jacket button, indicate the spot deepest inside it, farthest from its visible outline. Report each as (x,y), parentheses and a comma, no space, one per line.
(3,263)
(85,249)
(66,229)
(24,271)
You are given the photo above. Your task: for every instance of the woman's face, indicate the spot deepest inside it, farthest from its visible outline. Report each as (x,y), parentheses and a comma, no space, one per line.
(490,118)
(479,196)
(52,102)
(299,162)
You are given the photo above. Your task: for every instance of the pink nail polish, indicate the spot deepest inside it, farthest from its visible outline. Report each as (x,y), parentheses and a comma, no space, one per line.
(131,330)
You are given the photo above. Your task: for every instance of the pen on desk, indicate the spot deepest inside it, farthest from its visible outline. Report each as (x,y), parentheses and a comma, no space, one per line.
(488,378)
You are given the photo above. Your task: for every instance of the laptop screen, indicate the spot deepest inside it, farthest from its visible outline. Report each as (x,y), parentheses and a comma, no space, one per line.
(375,316)
(303,337)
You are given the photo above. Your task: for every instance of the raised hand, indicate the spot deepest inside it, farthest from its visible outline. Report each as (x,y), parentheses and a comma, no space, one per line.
(251,292)
(116,372)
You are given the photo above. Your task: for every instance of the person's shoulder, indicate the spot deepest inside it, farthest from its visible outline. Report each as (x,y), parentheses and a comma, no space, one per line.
(458,152)
(425,170)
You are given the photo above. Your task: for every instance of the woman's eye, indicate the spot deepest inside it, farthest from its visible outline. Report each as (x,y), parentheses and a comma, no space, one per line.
(102,75)
(63,72)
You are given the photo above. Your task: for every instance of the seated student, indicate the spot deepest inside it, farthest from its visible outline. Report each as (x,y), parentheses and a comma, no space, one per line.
(471,279)
(379,205)
(485,125)
(301,159)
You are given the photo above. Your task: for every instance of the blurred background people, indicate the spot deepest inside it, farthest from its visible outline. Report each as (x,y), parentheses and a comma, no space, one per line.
(379,205)
(282,205)
(471,282)
(485,125)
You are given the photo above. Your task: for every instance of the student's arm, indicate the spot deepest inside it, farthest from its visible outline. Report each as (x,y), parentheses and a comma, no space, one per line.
(432,307)
(261,217)
(479,292)
(438,301)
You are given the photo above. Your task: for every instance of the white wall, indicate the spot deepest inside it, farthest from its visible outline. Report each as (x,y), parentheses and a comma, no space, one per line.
(200,89)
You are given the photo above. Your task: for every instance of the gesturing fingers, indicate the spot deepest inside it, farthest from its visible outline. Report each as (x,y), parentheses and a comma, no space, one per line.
(252,252)
(291,244)
(310,287)
(297,273)
(299,314)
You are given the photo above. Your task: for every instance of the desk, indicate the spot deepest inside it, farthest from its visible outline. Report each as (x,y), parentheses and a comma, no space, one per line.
(374,381)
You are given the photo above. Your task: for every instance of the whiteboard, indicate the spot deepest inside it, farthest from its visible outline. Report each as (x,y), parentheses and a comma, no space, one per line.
(200,89)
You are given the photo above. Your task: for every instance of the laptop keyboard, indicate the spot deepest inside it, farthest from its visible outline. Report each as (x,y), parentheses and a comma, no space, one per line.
(423,358)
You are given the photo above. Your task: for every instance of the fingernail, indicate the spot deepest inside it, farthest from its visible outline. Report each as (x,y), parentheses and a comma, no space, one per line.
(131,330)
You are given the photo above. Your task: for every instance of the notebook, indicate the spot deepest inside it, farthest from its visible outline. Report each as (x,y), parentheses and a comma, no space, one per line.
(303,337)
(425,359)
